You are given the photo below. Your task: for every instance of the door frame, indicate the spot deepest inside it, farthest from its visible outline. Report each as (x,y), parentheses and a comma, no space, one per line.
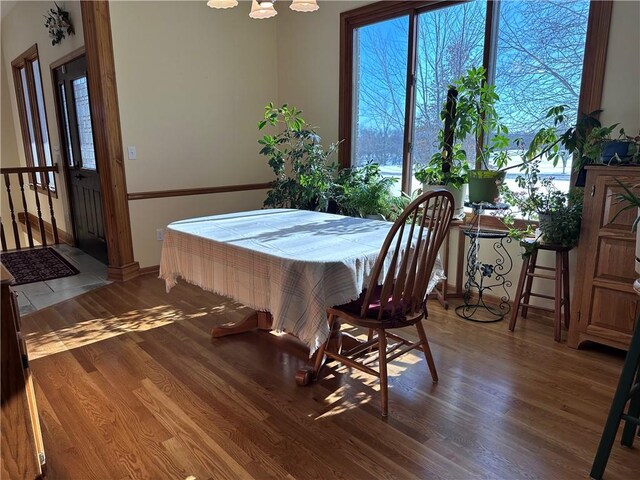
(107,137)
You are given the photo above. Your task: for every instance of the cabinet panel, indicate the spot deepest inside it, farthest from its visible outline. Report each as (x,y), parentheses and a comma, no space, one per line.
(615,310)
(615,259)
(612,216)
(605,306)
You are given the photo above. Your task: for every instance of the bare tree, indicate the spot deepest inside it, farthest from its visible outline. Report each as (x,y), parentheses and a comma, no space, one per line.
(539,65)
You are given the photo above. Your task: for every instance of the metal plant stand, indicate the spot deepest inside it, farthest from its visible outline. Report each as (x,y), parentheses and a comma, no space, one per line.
(483,277)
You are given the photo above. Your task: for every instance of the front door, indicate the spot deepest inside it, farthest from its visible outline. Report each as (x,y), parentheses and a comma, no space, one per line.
(72,97)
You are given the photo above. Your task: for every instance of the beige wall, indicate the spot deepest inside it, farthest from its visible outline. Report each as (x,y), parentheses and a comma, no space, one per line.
(9,153)
(621,92)
(21,28)
(192,85)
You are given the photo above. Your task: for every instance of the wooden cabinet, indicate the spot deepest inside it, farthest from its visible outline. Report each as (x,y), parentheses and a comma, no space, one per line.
(22,448)
(605,306)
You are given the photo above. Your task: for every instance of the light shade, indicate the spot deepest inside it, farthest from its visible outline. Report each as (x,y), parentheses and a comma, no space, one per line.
(222,3)
(304,5)
(262,10)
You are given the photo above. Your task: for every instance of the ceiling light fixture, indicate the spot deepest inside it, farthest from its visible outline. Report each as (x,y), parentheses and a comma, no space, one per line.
(264,8)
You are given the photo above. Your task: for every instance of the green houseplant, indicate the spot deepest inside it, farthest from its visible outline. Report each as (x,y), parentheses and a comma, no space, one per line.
(364,192)
(448,168)
(559,213)
(304,173)
(476,115)
(603,147)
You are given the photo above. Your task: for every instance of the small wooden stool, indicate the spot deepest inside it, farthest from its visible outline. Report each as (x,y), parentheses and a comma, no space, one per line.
(561,297)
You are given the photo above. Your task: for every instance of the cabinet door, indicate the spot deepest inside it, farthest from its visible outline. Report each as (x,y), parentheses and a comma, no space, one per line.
(609,305)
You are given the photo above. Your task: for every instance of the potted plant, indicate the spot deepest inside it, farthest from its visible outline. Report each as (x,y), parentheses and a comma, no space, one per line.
(448,168)
(364,192)
(304,174)
(559,213)
(602,147)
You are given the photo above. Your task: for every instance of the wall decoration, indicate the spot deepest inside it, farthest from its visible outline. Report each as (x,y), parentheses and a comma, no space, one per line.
(58,21)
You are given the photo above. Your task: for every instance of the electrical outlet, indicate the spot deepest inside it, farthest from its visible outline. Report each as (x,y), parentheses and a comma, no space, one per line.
(160,234)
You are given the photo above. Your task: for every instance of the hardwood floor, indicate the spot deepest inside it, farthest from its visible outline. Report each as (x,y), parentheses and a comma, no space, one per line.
(130,385)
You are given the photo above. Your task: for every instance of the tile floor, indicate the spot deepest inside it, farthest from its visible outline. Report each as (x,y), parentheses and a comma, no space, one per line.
(36,296)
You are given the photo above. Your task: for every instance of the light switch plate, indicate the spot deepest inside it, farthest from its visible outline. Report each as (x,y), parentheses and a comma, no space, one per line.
(133,153)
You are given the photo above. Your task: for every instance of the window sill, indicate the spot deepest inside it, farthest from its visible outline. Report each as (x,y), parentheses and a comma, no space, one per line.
(43,191)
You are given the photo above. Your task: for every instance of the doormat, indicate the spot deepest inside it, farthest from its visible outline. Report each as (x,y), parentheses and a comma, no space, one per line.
(29,266)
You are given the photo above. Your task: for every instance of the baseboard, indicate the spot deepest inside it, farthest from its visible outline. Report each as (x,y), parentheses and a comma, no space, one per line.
(149,270)
(124,272)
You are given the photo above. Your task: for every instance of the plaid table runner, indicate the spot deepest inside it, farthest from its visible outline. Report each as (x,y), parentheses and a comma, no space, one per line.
(292,263)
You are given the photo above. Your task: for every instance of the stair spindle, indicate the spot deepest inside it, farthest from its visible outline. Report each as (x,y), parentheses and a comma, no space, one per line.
(54,226)
(43,233)
(16,233)
(3,240)
(27,221)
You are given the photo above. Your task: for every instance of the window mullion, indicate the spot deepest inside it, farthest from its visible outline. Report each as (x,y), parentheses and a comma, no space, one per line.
(35,116)
(409,111)
(489,57)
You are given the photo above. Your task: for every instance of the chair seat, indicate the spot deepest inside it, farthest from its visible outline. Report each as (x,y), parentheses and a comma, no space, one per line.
(388,320)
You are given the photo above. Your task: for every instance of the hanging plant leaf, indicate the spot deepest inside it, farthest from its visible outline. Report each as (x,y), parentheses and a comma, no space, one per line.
(58,21)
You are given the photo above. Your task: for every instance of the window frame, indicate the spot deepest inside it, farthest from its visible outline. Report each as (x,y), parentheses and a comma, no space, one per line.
(594,61)
(25,61)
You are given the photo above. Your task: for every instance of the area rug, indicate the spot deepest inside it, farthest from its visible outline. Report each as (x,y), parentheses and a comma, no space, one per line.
(38,265)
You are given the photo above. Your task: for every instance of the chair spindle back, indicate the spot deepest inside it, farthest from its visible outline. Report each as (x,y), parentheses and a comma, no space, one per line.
(408,255)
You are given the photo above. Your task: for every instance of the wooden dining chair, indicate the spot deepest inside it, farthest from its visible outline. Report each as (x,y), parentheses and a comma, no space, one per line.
(396,295)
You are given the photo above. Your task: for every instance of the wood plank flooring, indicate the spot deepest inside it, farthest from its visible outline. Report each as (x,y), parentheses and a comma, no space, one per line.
(130,385)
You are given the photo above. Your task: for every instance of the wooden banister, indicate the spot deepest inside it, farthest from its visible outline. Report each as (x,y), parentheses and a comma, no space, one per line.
(33,174)
(52,168)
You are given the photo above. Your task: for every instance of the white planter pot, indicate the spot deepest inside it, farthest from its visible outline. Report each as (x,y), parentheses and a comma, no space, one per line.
(459,194)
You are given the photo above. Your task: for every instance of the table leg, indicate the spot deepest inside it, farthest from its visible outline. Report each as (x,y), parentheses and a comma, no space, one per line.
(254,320)
(337,342)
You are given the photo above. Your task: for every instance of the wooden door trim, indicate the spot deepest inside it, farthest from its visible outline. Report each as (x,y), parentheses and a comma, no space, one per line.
(69,57)
(105,114)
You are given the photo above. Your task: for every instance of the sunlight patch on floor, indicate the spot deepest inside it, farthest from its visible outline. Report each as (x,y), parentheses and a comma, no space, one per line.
(338,404)
(41,344)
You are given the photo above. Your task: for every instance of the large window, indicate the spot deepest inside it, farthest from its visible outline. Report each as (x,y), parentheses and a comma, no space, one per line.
(398,58)
(33,118)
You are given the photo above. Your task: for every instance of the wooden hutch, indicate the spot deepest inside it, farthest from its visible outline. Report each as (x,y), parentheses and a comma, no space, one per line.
(605,306)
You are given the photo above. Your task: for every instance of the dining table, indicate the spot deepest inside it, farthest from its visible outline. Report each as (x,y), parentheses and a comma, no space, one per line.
(287,265)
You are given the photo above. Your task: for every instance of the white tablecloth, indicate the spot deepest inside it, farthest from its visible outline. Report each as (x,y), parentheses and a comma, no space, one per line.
(292,263)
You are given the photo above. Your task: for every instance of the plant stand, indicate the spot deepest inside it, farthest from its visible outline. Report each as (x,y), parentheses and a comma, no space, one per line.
(486,277)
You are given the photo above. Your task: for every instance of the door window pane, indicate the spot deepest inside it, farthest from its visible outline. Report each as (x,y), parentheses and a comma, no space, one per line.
(379,94)
(450,41)
(539,65)
(65,115)
(83,114)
